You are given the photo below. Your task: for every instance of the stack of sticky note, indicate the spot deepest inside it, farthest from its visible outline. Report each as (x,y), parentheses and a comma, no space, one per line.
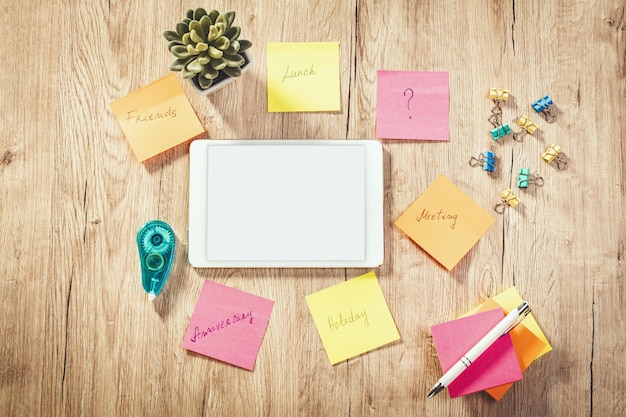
(502,364)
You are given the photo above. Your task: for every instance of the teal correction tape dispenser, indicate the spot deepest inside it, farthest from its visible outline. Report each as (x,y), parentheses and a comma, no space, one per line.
(155,241)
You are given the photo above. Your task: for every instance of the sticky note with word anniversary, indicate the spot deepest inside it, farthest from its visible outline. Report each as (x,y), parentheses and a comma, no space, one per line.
(445,222)
(228,324)
(303,77)
(156,117)
(352,317)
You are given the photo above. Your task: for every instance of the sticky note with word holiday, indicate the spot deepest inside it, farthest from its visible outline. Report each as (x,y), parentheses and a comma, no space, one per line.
(445,222)
(352,317)
(156,117)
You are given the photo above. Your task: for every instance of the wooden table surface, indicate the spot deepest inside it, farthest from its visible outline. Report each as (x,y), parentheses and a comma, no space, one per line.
(78,335)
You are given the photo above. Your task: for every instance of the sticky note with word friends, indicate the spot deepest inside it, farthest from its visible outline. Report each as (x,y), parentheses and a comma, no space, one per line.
(445,222)
(352,317)
(303,77)
(156,117)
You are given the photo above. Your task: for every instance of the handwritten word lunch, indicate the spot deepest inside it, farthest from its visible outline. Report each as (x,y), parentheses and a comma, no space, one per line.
(149,117)
(352,319)
(440,215)
(299,73)
(199,334)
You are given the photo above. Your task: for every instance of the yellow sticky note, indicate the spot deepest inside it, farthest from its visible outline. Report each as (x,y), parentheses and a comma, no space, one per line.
(156,117)
(303,77)
(445,222)
(352,317)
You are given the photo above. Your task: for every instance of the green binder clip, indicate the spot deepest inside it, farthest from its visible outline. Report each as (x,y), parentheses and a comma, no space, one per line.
(155,241)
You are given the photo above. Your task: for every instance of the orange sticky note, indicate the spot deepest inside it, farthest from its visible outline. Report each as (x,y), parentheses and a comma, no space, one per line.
(445,222)
(156,117)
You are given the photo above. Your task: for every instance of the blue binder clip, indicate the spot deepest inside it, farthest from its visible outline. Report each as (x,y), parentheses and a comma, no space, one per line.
(487,160)
(545,107)
(500,132)
(525,178)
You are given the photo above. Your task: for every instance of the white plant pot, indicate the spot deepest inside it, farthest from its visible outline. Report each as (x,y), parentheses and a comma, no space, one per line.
(225,81)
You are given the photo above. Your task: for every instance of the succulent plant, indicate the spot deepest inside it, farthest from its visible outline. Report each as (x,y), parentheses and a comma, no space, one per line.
(207,45)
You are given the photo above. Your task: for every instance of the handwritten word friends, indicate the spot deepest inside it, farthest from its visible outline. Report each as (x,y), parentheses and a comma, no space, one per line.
(299,73)
(199,334)
(149,117)
(359,318)
(440,215)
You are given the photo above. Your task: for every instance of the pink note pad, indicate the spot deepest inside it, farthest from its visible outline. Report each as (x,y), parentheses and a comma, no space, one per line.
(497,366)
(228,325)
(412,105)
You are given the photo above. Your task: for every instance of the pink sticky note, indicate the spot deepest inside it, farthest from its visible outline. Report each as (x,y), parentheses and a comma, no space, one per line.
(228,325)
(497,366)
(412,105)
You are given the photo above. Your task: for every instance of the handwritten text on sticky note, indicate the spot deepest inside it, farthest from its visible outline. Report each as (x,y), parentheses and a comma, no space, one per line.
(412,105)
(445,222)
(228,325)
(303,77)
(352,317)
(156,117)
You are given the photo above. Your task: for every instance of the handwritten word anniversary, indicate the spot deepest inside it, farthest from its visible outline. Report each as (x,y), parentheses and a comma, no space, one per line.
(440,215)
(299,73)
(199,334)
(353,319)
(149,117)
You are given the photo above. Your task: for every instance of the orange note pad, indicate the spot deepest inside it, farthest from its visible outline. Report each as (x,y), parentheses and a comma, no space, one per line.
(445,222)
(156,117)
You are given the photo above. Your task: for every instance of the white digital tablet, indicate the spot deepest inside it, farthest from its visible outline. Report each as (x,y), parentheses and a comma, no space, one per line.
(285,203)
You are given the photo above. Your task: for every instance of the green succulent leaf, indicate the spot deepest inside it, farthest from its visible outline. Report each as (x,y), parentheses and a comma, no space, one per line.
(234,60)
(195,66)
(170,35)
(192,50)
(186,73)
(204,59)
(244,45)
(187,38)
(172,44)
(205,24)
(213,14)
(232,71)
(180,52)
(218,64)
(214,52)
(204,82)
(227,18)
(189,14)
(194,35)
(198,13)
(222,43)
(179,64)
(202,46)
(182,28)
(213,33)
(233,48)
(209,72)
(233,33)
(187,20)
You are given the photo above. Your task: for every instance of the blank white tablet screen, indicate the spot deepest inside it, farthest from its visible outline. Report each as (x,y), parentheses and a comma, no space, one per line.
(286,203)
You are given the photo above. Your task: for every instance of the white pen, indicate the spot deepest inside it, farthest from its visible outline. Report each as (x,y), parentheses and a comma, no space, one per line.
(503,327)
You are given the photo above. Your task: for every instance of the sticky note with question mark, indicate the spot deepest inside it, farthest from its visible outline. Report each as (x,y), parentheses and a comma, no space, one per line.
(303,76)
(413,105)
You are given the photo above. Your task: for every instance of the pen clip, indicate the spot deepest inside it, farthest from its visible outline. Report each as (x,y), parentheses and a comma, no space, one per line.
(523,310)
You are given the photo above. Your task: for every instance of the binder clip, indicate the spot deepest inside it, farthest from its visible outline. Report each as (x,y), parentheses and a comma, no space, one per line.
(498,95)
(553,154)
(527,125)
(509,199)
(487,160)
(545,107)
(525,178)
(500,132)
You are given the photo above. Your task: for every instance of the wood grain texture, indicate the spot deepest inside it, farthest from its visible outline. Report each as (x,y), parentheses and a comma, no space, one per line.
(79,338)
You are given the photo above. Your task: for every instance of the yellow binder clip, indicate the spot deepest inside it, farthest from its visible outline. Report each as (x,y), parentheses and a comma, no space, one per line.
(554,154)
(498,95)
(509,199)
(527,125)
